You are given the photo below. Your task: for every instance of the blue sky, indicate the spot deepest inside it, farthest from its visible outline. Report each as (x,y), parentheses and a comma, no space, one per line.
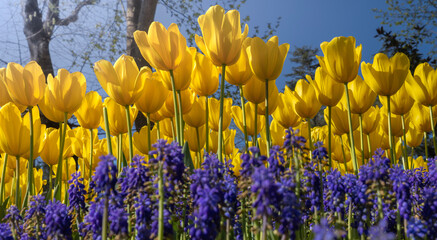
(312,22)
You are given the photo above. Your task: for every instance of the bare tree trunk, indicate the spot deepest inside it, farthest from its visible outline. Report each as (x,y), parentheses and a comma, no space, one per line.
(39,33)
(139,15)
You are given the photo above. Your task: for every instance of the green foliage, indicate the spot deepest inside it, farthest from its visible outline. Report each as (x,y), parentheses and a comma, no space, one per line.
(408,16)
(304,63)
(393,43)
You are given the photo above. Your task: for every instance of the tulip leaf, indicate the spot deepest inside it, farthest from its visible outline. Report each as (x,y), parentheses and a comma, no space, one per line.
(187,157)
(3,208)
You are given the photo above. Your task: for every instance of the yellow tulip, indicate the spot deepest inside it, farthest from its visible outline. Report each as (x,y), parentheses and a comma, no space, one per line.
(385,76)
(90,113)
(213,119)
(304,96)
(140,139)
(371,119)
(69,167)
(154,94)
(277,133)
(254,90)
(379,139)
(188,97)
(80,140)
(157,116)
(419,162)
(240,73)
(39,182)
(229,136)
(222,38)
(401,102)
(273,101)
(14,134)
(266,59)
(357,139)
(26,85)
(50,150)
(117,117)
(4,95)
(236,163)
(164,112)
(237,115)
(49,110)
(339,117)
(420,117)
(162,48)
(342,59)
(213,141)
(204,81)
(423,87)
(195,137)
(196,117)
(182,74)
(285,113)
(121,81)
(361,97)
(66,90)
(413,136)
(12,165)
(167,127)
(328,91)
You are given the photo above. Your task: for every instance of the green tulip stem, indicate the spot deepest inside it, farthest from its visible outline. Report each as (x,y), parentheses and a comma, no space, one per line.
(2,187)
(30,186)
(310,141)
(62,133)
(198,147)
(329,137)
(243,108)
(267,127)
(172,123)
(50,184)
(17,182)
(176,109)
(344,154)
(91,154)
(148,135)
(390,138)
(361,138)
(105,218)
(351,136)
(158,130)
(425,136)
(433,128)
(108,135)
(412,157)
(161,201)
(405,143)
(181,120)
(129,132)
(370,146)
(119,150)
(255,135)
(222,99)
(206,125)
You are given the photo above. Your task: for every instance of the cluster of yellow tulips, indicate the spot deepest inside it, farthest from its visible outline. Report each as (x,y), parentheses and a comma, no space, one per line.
(177,99)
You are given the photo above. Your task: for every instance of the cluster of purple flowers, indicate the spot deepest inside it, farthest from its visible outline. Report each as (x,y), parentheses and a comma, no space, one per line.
(271,194)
